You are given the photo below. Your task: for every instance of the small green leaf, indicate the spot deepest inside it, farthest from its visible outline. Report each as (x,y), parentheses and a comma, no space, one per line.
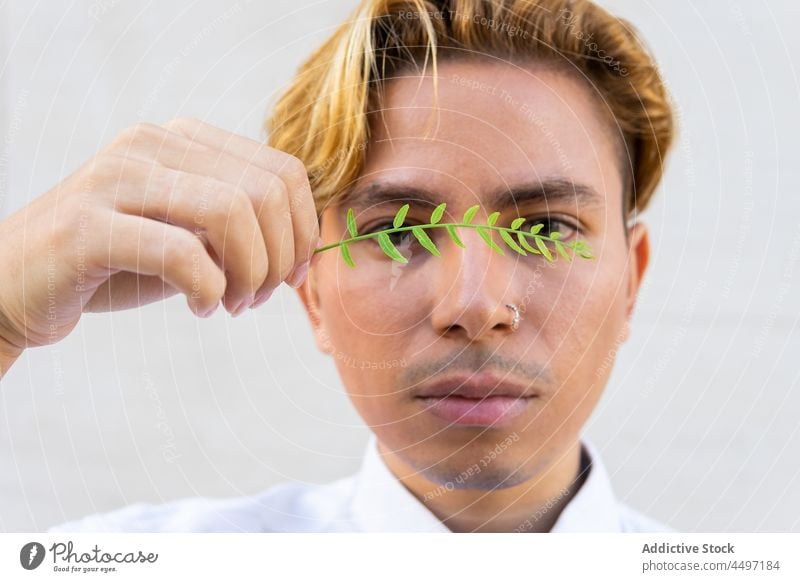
(425,240)
(537,227)
(487,237)
(523,240)
(544,249)
(391,251)
(582,249)
(514,237)
(470,213)
(451,230)
(400,216)
(577,246)
(438,212)
(351,223)
(562,251)
(345,249)
(510,242)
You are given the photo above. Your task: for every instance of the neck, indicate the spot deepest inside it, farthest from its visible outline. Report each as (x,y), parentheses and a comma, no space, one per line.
(532,506)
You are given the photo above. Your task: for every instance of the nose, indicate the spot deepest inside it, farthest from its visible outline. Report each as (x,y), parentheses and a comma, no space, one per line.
(472,287)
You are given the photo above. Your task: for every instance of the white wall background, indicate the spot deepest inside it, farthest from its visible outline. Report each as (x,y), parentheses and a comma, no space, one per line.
(700,423)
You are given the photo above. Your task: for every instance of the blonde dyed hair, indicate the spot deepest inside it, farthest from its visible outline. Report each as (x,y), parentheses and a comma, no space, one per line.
(322,118)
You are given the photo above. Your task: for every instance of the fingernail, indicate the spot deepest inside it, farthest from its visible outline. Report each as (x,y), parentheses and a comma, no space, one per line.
(243,306)
(210,312)
(299,275)
(261,298)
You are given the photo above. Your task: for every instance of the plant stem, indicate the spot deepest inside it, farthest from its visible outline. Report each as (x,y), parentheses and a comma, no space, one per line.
(440,225)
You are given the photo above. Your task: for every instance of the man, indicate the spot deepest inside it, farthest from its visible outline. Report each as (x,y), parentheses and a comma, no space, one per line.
(549,110)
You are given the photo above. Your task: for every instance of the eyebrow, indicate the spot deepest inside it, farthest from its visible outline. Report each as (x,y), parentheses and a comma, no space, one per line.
(550,191)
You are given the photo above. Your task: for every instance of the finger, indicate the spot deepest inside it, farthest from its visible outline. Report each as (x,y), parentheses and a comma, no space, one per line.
(174,255)
(289,168)
(268,193)
(126,290)
(269,199)
(274,216)
(200,204)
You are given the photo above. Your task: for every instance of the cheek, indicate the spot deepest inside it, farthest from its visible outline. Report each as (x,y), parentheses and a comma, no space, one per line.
(580,311)
(576,335)
(374,388)
(575,312)
(370,328)
(371,299)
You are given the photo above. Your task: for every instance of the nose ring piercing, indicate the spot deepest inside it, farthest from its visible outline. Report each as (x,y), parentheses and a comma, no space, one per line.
(515,321)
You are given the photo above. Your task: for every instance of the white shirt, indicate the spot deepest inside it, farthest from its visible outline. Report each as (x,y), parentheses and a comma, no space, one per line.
(371,500)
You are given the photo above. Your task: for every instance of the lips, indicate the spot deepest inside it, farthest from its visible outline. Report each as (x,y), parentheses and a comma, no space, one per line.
(477,399)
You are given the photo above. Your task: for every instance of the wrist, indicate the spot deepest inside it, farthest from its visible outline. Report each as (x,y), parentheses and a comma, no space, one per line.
(8,351)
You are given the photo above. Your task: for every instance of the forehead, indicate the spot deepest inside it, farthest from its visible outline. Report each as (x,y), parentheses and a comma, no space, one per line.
(493,123)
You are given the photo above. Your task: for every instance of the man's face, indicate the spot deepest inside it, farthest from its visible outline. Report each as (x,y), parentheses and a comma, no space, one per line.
(395,330)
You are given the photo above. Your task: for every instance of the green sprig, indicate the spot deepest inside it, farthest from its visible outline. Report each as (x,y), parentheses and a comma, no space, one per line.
(521,245)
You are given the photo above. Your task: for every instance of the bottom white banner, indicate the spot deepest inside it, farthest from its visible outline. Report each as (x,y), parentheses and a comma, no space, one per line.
(404,557)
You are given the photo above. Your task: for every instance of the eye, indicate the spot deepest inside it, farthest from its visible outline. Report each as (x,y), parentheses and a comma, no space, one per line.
(551,225)
(399,239)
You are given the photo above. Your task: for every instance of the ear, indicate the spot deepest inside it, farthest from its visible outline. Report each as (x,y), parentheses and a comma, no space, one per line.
(638,259)
(310,299)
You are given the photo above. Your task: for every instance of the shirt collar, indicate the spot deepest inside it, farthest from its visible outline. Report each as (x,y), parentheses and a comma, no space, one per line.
(381,503)
(593,507)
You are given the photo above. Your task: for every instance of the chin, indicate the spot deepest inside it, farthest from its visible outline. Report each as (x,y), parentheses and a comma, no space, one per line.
(472,468)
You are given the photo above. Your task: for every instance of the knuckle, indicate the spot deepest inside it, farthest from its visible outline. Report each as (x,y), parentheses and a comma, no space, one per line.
(179,246)
(239,203)
(140,134)
(162,182)
(182,123)
(102,169)
(216,209)
(294,167)
(271,185)
(219,201)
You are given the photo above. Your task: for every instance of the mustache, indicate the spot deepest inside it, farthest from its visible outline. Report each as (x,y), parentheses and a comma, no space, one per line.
(472,361)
